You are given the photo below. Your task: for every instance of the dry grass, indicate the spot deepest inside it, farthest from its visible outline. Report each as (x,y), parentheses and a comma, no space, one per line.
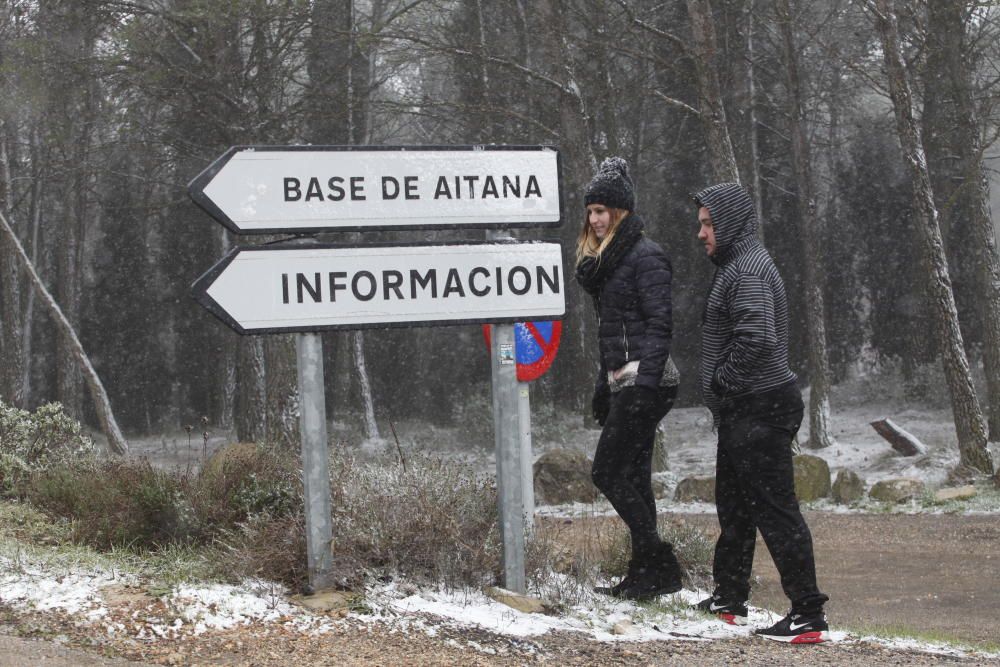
(432,521)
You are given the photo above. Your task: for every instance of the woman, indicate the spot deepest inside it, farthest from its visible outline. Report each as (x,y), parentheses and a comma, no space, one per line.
(628,276)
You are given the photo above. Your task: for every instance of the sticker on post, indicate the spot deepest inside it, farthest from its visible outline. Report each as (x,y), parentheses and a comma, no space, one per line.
(506,354)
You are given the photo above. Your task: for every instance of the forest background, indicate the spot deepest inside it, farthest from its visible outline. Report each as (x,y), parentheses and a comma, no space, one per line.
(863,128)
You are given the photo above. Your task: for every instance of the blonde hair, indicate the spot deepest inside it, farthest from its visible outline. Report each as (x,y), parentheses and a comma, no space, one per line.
(587,243)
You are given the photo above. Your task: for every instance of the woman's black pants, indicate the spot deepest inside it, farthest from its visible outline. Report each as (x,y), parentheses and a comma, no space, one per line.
(755,489)
(623,462)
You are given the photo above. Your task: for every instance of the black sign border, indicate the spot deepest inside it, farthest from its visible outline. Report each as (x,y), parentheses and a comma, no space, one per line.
(196,189)
(199,290)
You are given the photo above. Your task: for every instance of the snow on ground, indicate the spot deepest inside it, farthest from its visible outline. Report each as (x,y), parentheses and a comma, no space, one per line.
(38,585)
(190,610)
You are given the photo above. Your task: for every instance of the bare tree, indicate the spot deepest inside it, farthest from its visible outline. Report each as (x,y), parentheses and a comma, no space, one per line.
(710,100)
(963,190)
(116,441)
(970,425)
(809,223)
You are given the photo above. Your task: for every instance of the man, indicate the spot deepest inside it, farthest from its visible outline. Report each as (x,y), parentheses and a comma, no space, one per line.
(757,408)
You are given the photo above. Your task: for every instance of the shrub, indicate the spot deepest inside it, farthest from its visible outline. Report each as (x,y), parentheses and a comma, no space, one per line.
(35,441)
(116,503)
(434,521)
(243,480)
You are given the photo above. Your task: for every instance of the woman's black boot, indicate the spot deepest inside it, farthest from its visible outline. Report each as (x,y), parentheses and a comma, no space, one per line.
(660,574)
(616,590)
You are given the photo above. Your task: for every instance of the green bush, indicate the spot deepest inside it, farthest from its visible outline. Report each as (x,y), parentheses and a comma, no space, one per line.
(244,480)
(36,441)
(117,503)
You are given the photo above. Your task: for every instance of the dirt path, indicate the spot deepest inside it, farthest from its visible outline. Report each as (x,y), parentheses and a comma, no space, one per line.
(937,574)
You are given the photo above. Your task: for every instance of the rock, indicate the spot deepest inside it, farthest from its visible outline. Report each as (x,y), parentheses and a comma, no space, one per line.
(522,603)
(660,488)
(955,493)
(902,441)
(812,477)
(695,490)
(563,476)
(897,490)
(848,487)
(621,627)
(660,459)
(324,600)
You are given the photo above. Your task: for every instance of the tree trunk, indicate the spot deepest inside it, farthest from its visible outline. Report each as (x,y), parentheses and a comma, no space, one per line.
(371,427)
(116,441)
(756,181)
(579,360)
(815,279)
(68,292)
(29,310)
(969,423)
(10,297)
(948,39)
(251,396)
(281,388)
(713,111)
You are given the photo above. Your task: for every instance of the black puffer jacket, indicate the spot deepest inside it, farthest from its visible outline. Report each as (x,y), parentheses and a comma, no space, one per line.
(633,306)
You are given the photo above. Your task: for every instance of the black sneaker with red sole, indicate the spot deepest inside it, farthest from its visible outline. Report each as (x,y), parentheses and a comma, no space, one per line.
(727,611)
(798,629)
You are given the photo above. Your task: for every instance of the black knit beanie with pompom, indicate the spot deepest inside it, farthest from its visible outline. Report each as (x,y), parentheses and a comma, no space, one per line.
(611,185)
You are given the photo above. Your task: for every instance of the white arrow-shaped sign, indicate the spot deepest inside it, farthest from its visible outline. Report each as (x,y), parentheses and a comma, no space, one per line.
(311,288)
(275,189)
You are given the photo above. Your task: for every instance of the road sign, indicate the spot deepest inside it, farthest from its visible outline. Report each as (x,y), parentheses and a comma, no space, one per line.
(281,189)
(535,346)
(269,289)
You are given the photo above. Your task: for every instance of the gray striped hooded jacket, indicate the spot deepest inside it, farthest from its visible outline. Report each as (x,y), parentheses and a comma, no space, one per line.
(744,345)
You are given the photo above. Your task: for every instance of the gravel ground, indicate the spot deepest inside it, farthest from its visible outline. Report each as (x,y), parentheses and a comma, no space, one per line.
(354,644)
(923,572)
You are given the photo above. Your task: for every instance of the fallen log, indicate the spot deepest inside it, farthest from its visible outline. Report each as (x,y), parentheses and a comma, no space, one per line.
(903,442)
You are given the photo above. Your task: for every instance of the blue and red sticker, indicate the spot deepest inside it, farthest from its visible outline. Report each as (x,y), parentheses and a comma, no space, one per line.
(535,346)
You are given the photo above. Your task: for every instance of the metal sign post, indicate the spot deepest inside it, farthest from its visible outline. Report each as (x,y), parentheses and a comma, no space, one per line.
(508,454)
(524,444)
(308,288)
(315,460)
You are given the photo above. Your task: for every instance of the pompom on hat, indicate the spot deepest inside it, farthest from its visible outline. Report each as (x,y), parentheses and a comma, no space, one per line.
(611,185)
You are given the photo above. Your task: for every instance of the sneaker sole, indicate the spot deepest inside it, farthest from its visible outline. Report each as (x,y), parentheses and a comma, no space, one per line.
(732,619)
(818,637)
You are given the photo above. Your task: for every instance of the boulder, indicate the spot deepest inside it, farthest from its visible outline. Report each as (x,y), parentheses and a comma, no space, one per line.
(622,627)
(812,477)
(848,487)
(695,490)
(660,488)
(522,603)
(563,476)
(955,493)
(897,490)
(325,600)
(660,459)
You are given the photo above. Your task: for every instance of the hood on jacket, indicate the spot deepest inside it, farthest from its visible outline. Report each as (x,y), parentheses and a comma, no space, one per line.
(733,215)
